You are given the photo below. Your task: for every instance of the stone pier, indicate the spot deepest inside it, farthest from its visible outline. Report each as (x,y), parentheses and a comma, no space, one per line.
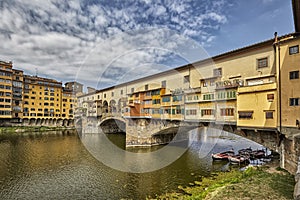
(297,179)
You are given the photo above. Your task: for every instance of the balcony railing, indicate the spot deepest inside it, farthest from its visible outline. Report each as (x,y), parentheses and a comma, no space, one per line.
(229,84)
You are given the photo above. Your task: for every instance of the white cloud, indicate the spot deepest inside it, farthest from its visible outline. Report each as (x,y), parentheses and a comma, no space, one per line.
(58,37)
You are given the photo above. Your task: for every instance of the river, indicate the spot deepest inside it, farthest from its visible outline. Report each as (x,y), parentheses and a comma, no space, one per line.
(57,165)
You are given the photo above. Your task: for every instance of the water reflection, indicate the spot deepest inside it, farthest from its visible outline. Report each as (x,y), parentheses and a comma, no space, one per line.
(58,166)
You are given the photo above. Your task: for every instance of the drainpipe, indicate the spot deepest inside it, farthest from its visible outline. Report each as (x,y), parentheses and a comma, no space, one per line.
(277,43)
(279,74)
(281,136)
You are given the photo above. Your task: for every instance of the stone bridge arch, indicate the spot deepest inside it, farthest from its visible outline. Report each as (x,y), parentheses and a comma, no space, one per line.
(112,124)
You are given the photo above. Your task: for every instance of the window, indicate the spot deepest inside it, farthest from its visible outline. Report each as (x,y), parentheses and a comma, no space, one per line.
(294,101)
(294,49)
(191,112)
(231,94)
(245,114)
(146,87)
(120,92)
(155,92)
(208,96)
(270,97)
(227,111)
(166,99)
(132,90)
(294,75)
(104,95)
(177,98)
(148,102)
(204,83)
(262,62)
(217,72)
(112,94)
(269,114)
(207,112)
(164,84)
(156,101)
(148,94)
(186,79)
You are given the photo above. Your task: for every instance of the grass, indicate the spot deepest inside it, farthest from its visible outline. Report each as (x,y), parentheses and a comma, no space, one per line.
(253,183)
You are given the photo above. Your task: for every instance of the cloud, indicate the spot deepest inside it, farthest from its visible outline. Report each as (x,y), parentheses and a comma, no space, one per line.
(79,39)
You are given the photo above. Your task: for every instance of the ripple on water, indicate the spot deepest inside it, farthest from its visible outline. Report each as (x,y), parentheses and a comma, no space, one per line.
(59,167)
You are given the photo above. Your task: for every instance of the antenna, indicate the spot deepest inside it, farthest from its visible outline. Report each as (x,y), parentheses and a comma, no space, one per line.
(36,71)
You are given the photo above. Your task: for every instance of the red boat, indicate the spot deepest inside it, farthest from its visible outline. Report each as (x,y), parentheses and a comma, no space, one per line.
(222,155)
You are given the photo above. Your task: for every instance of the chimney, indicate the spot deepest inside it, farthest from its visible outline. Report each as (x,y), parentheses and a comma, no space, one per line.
(275,38)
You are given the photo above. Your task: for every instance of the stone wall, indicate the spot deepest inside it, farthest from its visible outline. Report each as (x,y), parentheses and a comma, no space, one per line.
(297,179)
(290,153)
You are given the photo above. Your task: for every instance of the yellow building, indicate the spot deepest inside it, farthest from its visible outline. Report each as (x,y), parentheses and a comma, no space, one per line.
(68,104)
(257,106)
(288,64)
(6,75)
(42,98)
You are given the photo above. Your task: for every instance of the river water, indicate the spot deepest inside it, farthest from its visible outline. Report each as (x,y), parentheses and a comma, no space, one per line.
(57,165)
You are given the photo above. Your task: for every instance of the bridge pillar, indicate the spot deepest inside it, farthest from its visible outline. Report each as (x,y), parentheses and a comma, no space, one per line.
(290,153)
(139,131)
(147,132)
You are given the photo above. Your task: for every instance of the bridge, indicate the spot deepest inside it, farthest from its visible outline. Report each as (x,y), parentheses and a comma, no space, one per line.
(149,132)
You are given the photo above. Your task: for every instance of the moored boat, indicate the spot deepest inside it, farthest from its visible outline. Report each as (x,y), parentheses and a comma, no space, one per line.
(258,154)
(239,159)
(246,151)
(222,155)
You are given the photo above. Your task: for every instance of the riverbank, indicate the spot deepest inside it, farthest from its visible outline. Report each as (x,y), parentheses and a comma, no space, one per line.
(263,182)
(25,130)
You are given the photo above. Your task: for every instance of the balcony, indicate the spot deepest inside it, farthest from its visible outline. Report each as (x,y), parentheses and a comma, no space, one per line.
(229,84)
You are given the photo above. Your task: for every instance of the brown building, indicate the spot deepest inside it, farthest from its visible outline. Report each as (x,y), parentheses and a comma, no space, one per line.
(75,87)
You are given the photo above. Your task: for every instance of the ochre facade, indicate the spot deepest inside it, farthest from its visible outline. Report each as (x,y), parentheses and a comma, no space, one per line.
(25,97)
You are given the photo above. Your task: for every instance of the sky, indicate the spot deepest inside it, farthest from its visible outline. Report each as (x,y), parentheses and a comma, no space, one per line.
(101,43)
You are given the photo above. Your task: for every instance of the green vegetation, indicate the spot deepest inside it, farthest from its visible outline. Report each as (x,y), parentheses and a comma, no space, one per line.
(253,183)
(18,130)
